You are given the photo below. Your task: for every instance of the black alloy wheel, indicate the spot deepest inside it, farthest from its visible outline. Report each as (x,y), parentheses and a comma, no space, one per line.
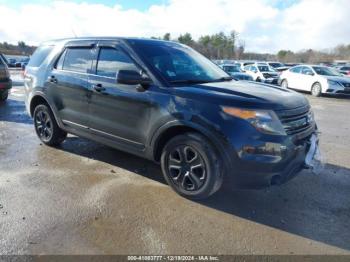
(192,166)
(186,168)
(43,125)
(46,126)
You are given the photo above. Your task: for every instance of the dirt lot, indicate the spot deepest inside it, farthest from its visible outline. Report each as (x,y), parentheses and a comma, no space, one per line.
(85,198)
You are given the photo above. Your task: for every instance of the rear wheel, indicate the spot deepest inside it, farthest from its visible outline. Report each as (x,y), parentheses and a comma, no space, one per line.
(191,166)
(284,84)
(316,90)
(4,95)
(46,126)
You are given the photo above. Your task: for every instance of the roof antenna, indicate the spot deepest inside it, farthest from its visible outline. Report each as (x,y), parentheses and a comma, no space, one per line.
(75,35)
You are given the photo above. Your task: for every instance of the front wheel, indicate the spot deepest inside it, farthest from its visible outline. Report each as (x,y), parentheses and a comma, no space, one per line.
(316,90)
(191,166)
(46,126)
(284,84)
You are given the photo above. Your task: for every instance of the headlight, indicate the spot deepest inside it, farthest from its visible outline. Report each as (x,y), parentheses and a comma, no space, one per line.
(333,83)
(265,121)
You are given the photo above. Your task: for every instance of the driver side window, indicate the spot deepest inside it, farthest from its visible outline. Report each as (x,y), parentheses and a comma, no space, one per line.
(111,60)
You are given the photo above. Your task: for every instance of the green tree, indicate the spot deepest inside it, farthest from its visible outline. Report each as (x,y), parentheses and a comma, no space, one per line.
(167,37)
(186,39)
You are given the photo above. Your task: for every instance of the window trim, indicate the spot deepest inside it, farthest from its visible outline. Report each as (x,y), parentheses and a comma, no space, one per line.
(113,47)
(64,52)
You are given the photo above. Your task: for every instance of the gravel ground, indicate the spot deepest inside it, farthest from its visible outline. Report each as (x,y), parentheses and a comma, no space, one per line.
(86,198)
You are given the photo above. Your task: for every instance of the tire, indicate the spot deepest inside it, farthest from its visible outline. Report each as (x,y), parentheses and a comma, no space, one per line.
(258,80)
(284,84)
(4,95)
(316,90)
(191,166)
(46,126)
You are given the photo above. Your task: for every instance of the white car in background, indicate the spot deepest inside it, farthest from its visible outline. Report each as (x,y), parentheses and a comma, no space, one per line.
(261,72)
(315,79)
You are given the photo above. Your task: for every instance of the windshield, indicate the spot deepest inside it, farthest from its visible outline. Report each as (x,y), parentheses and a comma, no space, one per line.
(263,68)
(232,69)
(178,63)
(325,71)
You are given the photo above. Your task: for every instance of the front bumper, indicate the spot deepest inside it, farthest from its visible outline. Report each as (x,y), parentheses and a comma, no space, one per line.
(271,163)
(338,91)
(272,81)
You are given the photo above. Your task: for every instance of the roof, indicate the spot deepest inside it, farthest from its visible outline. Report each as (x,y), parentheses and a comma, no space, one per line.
(106,38)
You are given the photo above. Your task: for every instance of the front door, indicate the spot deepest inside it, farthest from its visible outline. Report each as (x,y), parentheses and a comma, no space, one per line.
(117,111)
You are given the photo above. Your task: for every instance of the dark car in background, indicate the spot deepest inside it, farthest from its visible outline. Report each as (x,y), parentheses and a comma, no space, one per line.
(278,66)
(344,70)
(5,81)
(166,102)
(236,72)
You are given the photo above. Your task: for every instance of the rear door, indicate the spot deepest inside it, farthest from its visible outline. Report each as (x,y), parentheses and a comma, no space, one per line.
(117,111)
(69,85)
(293,77)
(306,78)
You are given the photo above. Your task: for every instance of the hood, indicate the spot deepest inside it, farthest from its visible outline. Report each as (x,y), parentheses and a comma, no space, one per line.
(244,94)
(340,79)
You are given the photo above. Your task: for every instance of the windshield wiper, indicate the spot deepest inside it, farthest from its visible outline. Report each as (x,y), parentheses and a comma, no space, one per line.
(222,79)
(189,81)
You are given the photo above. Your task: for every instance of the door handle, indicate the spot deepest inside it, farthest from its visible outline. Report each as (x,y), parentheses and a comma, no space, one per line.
(98,88)
(52,79)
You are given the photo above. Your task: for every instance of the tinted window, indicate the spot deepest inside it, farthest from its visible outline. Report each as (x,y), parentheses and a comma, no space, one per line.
(325,71)
(59,64)
(296,69)
(78,59)
(177,63)
(264,68)
(276,65)
(306,71)
(39,56)
(111,60)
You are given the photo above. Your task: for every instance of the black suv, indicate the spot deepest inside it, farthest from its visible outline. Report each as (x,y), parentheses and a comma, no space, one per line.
(165,102)
(5,81)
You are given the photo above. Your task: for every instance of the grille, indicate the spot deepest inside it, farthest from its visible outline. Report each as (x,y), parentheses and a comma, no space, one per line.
(296,121)
(346,84)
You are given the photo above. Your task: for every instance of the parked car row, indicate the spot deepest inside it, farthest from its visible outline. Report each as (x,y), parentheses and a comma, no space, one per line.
(315,79)
(12,62)
(5,81)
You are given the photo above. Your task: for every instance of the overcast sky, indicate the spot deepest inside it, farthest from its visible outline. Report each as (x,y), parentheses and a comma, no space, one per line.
(264,25)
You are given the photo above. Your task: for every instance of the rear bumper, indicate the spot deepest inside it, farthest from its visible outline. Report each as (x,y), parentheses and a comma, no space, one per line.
(5,85)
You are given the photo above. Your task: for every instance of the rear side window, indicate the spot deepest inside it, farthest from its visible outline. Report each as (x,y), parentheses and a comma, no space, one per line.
(39,56)
(296,69)
(111,60)
(305,70)
(77,59)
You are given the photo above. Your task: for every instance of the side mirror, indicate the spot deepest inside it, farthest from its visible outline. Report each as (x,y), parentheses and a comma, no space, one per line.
(310,73)
(131,77)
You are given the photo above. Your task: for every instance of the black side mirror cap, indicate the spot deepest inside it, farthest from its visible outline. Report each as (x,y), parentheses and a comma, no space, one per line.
(131,77)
